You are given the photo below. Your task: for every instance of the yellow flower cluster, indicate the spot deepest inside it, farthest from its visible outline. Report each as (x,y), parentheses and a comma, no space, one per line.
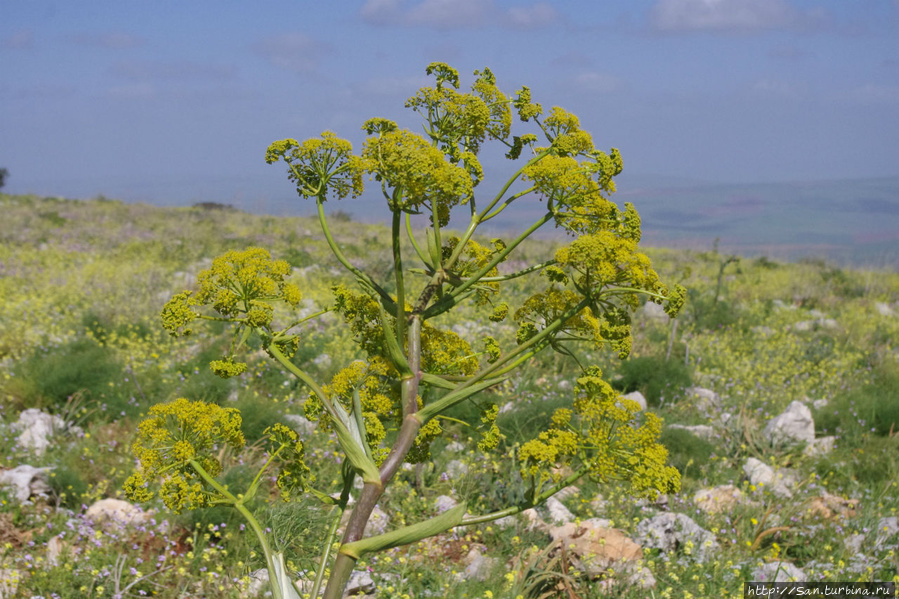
(244,282)
(377,398)
(241,286)
(317,165)
(294,475)
(608,433)
(175,436)
(418,173)
(473,258)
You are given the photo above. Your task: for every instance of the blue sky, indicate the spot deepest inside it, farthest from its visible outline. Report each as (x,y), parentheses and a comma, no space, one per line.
(176,102)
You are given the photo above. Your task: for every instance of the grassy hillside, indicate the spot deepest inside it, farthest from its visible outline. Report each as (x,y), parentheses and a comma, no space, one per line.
(82,284)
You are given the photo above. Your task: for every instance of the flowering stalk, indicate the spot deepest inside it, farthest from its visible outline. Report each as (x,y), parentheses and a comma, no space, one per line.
(387,409)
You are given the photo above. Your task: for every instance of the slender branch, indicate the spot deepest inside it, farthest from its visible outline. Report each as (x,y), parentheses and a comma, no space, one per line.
(418,250)
(449,300)
(338,253)
(508,203)
(537,500)
(398,276)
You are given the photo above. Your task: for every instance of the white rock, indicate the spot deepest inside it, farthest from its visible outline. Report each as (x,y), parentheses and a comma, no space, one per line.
(819,404)
(258,583)
(507,408)
(558,513)
(762,474)
(38,427)
(455,447)
(637,397)
(886,529)
(479,566)
(116,510)
(884,309)
(670,531)
(794,425)
(703,431)
(821,446)
(27,481)
(721,499)
(54,550)
(377,522)
(778,572)
(854,542)
(456,468)
(300,424)
(706,400)
(654,311)
(444,503)
(360,582)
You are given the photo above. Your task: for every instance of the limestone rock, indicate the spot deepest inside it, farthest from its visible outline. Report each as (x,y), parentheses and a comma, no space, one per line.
(794,425)
(360,583)
(887,528)
(377,522)
(778,572)
(116,510)
(444,503)
(596,545)
(820,446)
(637,397)
(884,309)
(300,424)
(702,431)
(829,506)
(27,481)
(558,513)
(654,311)
(455,447)
(779,481)
(38,427)
(9,583)
(705,400)
(716,500)
(670,531)
(456,468)
(478,566)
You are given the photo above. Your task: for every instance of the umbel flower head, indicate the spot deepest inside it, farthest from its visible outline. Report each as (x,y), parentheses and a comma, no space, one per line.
(175,440)
(607,432)
(241,286)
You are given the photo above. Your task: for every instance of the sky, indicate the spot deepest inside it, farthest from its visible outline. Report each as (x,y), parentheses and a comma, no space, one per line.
(175,102)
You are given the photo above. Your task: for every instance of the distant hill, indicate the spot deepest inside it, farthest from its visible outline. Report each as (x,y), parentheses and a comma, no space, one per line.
(849,221)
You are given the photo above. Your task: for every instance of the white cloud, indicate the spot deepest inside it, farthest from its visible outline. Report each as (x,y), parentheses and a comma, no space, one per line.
(295,52)
(721,15)
(532,17)
(439,14)
(601,83)
(449,14)
(456,14)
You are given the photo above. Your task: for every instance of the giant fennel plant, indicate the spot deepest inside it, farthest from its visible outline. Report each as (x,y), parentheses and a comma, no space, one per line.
(388,408)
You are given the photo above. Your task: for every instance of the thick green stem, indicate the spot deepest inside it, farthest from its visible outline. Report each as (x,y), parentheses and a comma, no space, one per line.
(371,492)
(516,509)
